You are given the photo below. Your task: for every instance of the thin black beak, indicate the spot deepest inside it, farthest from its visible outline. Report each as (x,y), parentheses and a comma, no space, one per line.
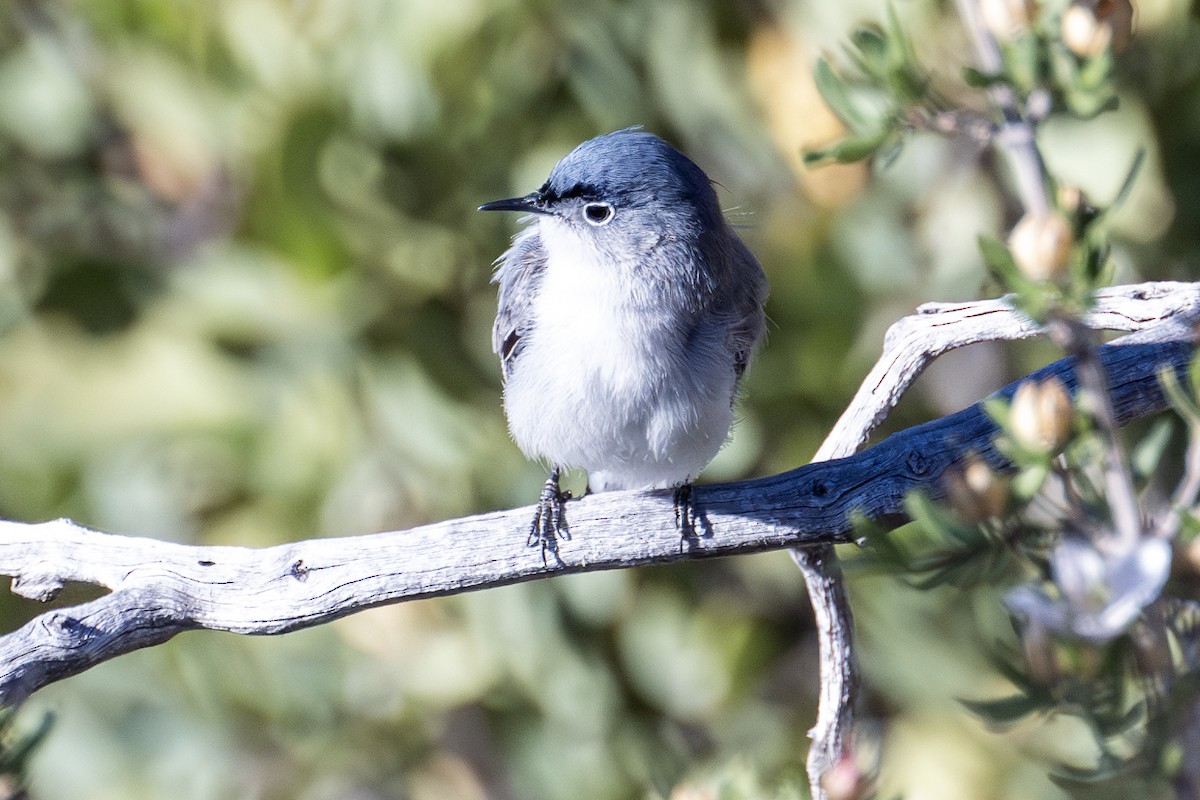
(529,203)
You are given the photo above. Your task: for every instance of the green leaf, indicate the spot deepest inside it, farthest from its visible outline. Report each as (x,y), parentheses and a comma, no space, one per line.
(847,150)
(998,409)
(1005,710)
(931,516)
(971,537)
(1030,294)
(1095,74)
(1107,767)
(1193,375)
(1179,400)
(1002,663)
(888,152)
(1091,263)
(996,254)
(1148,452)
(1190,527)
(14,757)
(902,54)
(982,80)
(1121,724)
(1022,59)
(1135,167)
(1088,103)
(937,576)
(871,42)
(1029,481)
(815,158)
(1064,68)
(833,91)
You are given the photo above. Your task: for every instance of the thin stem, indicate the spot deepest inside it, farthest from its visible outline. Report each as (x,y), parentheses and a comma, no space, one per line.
(1188,489)
(1076,340)
(1016,135)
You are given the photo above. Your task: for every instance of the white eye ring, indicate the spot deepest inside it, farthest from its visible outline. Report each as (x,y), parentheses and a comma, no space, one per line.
(598,214)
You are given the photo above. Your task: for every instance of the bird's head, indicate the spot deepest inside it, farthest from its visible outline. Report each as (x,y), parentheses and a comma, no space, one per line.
(623,192)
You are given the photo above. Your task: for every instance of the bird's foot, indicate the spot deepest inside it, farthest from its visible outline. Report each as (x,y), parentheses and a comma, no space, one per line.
(689,519)
(550,520)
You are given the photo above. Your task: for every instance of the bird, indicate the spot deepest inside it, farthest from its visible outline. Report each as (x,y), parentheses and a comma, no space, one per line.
(628,312)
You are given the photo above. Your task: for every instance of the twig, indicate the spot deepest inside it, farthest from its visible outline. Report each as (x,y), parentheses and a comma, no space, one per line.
(1076,340)
(1016,136)
(1170,519)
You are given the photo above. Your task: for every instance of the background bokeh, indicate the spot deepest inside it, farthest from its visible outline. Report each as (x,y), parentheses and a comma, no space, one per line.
(244,299)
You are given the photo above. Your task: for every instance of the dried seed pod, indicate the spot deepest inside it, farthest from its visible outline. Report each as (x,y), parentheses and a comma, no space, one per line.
(1042,415)
(1007,19)
(1041,245)
(976,492)
(1083,32)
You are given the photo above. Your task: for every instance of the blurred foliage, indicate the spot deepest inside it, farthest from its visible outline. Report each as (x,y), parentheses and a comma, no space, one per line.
(1097,640)
(244,299)
(16,746)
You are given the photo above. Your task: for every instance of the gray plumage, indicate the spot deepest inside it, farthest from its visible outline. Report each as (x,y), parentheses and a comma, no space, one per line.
(628,311)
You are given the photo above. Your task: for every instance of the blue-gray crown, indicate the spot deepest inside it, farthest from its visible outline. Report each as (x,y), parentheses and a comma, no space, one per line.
(632,168)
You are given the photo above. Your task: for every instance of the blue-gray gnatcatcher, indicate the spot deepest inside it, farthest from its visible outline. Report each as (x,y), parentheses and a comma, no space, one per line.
(629,310)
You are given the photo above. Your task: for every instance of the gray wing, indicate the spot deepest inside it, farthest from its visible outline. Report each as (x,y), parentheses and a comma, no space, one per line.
(744,290)
(518,275)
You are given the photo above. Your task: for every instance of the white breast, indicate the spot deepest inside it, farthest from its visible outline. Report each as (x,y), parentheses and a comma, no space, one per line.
(605,384)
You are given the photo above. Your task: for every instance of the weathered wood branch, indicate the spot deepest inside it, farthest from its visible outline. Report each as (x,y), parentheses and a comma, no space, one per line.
(915,341)
(910,345)
(158,589)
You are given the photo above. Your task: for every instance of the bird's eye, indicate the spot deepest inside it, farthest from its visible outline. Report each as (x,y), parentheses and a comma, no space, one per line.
(598,213)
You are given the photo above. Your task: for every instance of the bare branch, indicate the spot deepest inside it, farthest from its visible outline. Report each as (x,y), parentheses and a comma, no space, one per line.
(831,734)
(161,588)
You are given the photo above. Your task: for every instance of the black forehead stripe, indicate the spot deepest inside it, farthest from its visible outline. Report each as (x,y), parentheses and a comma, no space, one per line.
(585,191)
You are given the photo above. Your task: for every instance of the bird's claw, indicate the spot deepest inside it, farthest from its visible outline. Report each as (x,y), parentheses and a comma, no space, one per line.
(550,520)
(688,518)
